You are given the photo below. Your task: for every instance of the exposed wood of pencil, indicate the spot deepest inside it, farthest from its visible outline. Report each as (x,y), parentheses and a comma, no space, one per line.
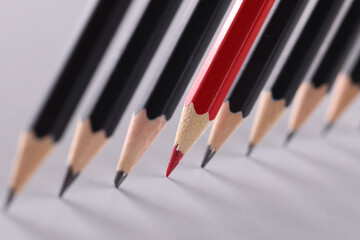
(268,112)
(31,153)
(140,135)
(191,127)
(345,91)
(225,124)
(85,146)
(307,98)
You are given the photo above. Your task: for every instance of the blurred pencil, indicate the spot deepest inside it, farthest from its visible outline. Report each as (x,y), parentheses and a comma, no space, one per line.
(161,103)
(218,73)
(70,84)
(312,92)
(273,103)
(93,132)
(346,88)
(254,73)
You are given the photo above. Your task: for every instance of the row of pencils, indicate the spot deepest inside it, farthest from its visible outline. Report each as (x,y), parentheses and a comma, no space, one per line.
(300,46)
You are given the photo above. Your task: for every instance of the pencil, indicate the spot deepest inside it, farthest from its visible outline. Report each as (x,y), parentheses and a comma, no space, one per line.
(254,73)
(94,131)
(217,73)
(346,88)
(161,103)
(70,84)
(313,91)
(273,103)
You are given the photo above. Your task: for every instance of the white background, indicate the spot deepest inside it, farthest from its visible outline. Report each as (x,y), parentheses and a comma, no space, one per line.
(308,191)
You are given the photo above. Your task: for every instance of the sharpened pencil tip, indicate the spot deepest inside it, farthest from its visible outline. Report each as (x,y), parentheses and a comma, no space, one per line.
(250,149)
(175,158)
(327,128)
(9,199)
(119,178)
(69,179)
(208,156)
(288,138)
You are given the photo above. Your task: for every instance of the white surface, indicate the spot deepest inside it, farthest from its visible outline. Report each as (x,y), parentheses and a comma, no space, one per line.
(308,191)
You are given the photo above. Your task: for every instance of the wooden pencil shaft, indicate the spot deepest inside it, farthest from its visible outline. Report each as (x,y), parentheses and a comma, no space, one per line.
(339,48)
(226,123)
(305,102)
(139,137)
(304,50)
(268,113)
(263,56)
(79,69)
(188,132)
(345,91)
(185,57)
(86,145)
(132,64)
(31,152)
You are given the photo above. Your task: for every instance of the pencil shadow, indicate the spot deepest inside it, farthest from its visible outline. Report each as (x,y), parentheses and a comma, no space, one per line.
(34,230)
(344,148)
(308,158)
(212,198)
(149,207)
(99,218)
(321,165)
(229,181)
(341,127)
(290,176)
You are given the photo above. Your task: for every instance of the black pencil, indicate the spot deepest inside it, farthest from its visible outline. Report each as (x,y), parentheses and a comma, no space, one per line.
(93,132)
(254,73)
(273,103)
(346,88)
(161,103)
(65,95)
(312,92)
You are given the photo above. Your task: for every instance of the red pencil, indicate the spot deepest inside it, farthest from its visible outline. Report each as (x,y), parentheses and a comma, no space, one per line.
(218,73)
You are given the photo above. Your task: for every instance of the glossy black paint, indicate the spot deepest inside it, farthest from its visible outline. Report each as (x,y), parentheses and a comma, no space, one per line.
(185,58)
(338,48)
(304,50)
(263,56)
(79,69)
(355,71)
(132,64)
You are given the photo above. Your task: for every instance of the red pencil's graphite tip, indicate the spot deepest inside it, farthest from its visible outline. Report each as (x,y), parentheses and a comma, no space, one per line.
(175,158)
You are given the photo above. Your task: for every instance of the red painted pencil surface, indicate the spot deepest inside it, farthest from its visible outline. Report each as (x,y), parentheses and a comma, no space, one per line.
(218,73)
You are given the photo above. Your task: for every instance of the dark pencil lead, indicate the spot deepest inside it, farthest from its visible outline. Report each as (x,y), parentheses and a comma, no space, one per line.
(250,149)
(119,178)
(69,178)
(288,138)
(9,199)
(327,129)
(208,156)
